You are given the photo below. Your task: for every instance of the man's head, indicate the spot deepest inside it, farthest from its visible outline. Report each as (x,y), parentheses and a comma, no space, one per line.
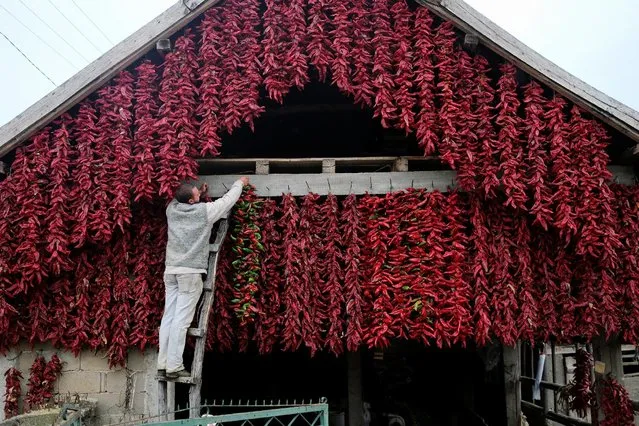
(187,194)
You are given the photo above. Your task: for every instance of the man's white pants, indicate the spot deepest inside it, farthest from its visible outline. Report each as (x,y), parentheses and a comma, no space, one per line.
(182,294)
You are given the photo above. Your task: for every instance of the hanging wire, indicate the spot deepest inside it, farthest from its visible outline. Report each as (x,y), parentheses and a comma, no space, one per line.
(37,36)
(33,12)
(27,58)
(93,23)
(74,26)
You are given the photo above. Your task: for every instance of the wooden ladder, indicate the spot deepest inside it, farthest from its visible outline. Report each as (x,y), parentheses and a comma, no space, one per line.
(166,391)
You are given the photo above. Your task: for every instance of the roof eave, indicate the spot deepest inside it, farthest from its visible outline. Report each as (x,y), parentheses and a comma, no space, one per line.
(99,72)
(617,115)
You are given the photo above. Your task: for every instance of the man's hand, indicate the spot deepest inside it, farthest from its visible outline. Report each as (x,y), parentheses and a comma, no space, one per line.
(204,189)
(245,180)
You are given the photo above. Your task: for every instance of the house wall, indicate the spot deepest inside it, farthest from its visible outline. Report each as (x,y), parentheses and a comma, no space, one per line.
(121,393)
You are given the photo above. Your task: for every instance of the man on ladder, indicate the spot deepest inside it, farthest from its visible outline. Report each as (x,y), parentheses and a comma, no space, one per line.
(187,251)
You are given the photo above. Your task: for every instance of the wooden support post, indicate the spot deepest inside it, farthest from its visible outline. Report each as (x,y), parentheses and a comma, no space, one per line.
(512,385)
(355,402)
(328,166)
(400,165)
(608,360)
(170,399)
(262,167)
(471,42)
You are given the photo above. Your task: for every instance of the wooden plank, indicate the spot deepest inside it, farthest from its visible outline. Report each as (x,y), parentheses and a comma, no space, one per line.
(98,72)
(512,385)
(355,397)
(312,161)
(275,185)
(170,400)
(611,111)
(544,384)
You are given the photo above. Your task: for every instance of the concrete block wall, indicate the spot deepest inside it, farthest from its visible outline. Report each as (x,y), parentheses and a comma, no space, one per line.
(121,393)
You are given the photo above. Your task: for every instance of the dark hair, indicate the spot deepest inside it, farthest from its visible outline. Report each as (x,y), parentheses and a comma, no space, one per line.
(184,193)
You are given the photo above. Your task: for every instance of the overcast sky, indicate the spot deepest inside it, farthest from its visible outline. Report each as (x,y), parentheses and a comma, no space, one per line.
(593,39)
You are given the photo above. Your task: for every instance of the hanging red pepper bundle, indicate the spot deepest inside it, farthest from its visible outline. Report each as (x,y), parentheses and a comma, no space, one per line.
(275,40)
(121,299)
(616,404)
(248,251)
(210,76)
(320,48)
(221,333)
(296,57)
(8,316)
(578,395)
(82,174)
(449,113)
(528,318)
(333,275)
(313,315)
(292,297)
(38,323)
(383,77)
(100,221)
(509,138)
(404,96)
(144,138)
(240,52)
(58,215)
(426,120)
(546,284)
(480,270)
(158,235)
(141,327)
(352,230)
(101,306)
(456,311)
(504,296)
(121,141)
(60,307)
(565,302)
(30,196)
(628,279)
(535,132)
(52,371)
(79,329)
(342,36)
(489,147)
(176,126)
(586,308)
(362,54)
(267,327)
(12,392)
(381,324)
(562,169)
(593,200)
(35,396)
(466,127)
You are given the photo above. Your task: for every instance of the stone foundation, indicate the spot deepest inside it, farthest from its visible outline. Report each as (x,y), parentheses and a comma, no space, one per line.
(121,393)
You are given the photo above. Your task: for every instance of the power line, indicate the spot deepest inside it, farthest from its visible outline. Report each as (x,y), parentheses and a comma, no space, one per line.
(54,31)
(74,26)
(27,58)
(39,38)
(91,20)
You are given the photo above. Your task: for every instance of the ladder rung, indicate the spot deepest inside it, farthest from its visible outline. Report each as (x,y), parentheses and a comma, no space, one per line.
(195,332)
(185,380)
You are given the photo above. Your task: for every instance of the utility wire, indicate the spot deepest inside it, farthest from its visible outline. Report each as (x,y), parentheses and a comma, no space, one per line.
(39,38)
(91,20)
(54,31)
(74,26)
(27,58)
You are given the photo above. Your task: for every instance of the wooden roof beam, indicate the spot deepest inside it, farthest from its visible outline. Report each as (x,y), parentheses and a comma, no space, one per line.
(618,115)
(99,72)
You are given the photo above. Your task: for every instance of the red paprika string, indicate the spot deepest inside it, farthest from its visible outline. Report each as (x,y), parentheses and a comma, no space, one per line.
(403,59)
(383,80)
(320,48)
(35,396)
(342,36)
(362,54)
(12,392)
(616,404)
(426,120)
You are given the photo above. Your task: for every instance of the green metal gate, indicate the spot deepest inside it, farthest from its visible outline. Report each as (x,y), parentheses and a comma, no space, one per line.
(296,415)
